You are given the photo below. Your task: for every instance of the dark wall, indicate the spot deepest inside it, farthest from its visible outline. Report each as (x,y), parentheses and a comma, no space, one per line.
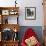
(37,29)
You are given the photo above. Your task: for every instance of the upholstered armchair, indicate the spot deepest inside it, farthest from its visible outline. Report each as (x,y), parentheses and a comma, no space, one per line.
(30,38)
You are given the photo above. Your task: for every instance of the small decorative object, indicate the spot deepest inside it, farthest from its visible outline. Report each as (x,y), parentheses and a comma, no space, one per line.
(13,12)
(30,13)
(15,3)
(15,36)
(7,34)
(5,12)
(15,30)
(6,21)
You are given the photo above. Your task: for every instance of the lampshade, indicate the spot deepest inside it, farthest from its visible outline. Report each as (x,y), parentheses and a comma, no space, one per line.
(15,30)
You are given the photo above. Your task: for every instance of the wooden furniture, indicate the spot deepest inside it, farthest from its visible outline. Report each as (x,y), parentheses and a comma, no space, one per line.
(0,43)
(5,13)
(11,26)
(10,43)
(44,8)
(8,11)
(44,36)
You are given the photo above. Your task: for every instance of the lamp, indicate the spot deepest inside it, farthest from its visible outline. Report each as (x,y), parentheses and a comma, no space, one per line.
(15,3)
(15,35)
(15,30)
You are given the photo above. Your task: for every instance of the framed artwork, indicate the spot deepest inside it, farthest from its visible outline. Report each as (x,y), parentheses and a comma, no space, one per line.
(30,13)
(5,12)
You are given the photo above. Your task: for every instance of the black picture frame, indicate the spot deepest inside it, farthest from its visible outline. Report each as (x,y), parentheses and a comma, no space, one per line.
(30,13)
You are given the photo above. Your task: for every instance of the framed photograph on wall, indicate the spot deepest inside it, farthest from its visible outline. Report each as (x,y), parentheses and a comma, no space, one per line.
(30,13)
(5,12)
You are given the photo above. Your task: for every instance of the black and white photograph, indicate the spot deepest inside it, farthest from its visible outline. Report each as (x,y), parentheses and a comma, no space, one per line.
(30,13)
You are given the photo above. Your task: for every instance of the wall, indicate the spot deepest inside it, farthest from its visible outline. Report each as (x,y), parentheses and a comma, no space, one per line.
(27,3)
(39,13)
(7,3)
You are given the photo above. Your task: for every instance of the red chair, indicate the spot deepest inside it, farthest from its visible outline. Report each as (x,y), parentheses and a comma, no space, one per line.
(29,33)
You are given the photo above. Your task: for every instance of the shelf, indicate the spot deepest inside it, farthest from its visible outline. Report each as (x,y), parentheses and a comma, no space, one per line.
(11,41)
(9,10)
(10,19)
(10,26)
(5,12)
(4,8)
